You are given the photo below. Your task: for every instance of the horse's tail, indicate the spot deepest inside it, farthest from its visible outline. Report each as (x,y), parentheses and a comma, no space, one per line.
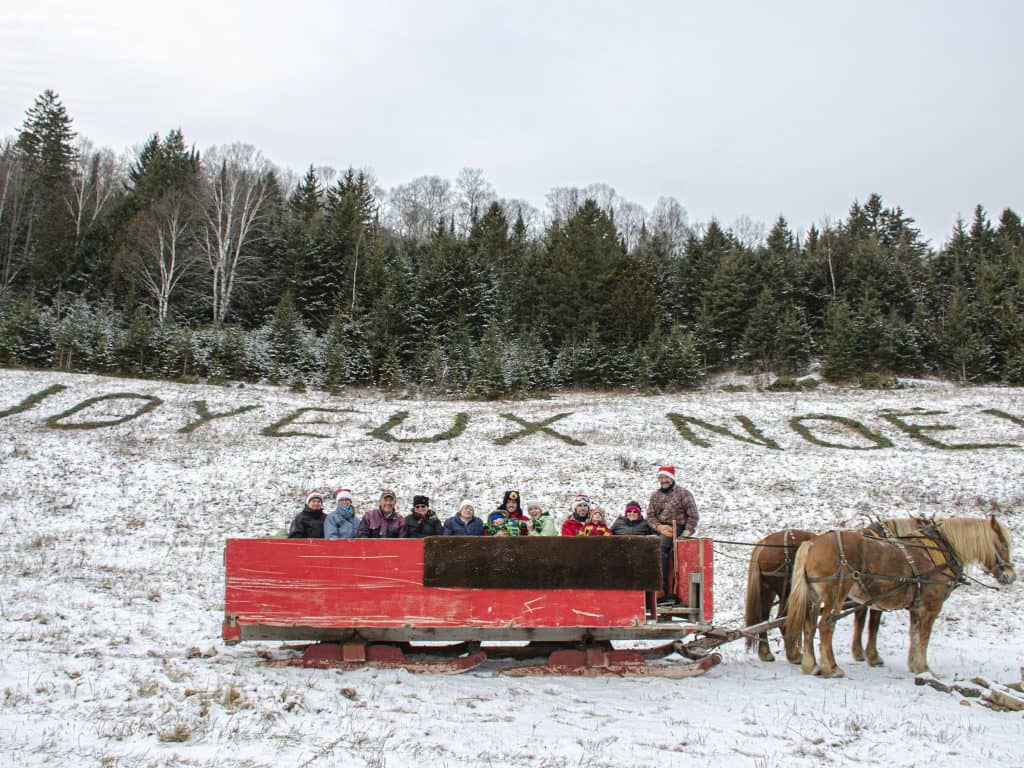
(754,610)
(799,603)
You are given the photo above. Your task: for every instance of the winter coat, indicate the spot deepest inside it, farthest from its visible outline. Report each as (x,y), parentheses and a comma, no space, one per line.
(639,527)
(520,518)
(573,526)
(508,528)
(542,526)
(595,529)
(674,504)
(417,527)
(341,524)
(456,526)
(308,524)
(375,525)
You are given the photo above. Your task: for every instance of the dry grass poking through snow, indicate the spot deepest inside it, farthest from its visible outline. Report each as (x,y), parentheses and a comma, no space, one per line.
(113,587)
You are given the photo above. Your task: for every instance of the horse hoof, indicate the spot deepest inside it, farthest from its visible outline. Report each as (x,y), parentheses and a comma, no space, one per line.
(857,656)
(836,672)
(876,662)
(767,657)
(810,669)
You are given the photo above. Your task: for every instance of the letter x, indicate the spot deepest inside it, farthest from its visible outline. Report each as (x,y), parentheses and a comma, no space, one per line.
(532,427)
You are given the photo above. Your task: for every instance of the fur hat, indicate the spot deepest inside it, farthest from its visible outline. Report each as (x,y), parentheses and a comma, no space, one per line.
(669,472)
(419,499)
(511,496)
(313,494)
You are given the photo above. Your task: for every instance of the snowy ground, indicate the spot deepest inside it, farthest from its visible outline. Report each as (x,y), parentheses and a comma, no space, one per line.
(111,570)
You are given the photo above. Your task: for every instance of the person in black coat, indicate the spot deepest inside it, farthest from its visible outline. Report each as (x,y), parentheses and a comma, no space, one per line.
(422,522)
(632,523)
(309,523)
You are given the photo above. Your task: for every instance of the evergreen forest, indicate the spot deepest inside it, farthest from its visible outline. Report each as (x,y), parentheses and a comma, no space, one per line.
(173,263)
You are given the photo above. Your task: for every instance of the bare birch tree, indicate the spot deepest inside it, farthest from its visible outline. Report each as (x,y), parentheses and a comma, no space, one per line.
(531,215)
(16,216)
(414,209)
(563,202)
(751,234)
(630,219)
(163,249)
(95,177)
(474,194)
(232,198)
(669,221)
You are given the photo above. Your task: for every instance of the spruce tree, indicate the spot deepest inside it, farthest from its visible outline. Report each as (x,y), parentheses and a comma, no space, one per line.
(285,341)
(793,343)
(842,360)
(45,145)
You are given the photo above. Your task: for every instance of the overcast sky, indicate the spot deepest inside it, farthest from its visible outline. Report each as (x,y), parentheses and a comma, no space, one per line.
(734,108)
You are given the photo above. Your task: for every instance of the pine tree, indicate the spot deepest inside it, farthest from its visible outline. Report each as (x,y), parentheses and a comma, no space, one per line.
(390,374)
(306,201)
(45,145)
(46,141)
(758,346)
(488,379)
(285,339)
(967,354)
(842,360)
(678,364)
(793,344)
(161,167)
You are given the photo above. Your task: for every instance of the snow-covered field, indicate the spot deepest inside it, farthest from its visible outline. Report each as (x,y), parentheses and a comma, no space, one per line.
(111,567)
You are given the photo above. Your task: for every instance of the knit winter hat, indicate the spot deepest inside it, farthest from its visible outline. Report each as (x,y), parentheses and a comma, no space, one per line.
(581,499)
(669,472)
(313,494)
(343,494)
(466,503)
(633,506)
(495,515)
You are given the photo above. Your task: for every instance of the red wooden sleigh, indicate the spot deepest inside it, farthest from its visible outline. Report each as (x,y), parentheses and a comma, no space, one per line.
(372,602)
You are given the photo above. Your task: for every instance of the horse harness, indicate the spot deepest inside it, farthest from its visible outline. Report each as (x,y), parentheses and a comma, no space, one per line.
(937,548)
(785,571)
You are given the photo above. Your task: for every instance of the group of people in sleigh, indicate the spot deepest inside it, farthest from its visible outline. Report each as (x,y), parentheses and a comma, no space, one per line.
(671,513)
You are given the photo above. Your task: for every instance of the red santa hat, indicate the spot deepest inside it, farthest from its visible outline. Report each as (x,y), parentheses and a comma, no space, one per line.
(343,494)
(669,472)
(313,494)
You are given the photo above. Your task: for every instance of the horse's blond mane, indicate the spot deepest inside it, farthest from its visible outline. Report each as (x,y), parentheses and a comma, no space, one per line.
(971,538)
(904,526)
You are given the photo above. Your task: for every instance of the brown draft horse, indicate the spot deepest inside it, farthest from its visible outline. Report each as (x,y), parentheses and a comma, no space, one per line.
(770,576)
(892,526)
(915,573)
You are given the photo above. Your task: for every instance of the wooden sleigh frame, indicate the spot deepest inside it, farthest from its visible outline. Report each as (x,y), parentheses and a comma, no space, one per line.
(363,602)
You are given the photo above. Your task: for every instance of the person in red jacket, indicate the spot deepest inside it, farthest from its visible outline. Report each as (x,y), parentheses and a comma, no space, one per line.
(580,515)
(597,526)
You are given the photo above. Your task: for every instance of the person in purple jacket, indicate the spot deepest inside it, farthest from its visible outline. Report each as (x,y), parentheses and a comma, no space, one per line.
(383,522)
